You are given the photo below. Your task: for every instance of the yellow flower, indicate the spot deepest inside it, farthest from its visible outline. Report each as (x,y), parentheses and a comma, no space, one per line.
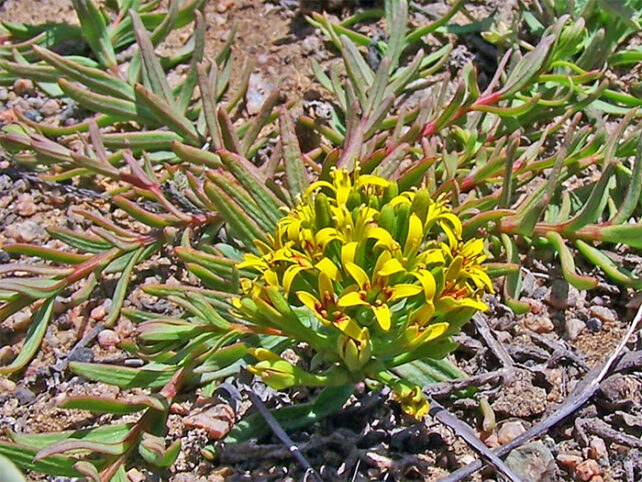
(375,276)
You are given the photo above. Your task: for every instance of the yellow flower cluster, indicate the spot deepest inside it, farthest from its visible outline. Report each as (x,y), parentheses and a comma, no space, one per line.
(383,273)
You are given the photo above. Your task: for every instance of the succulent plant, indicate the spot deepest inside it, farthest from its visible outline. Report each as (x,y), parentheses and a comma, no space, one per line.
(385,276)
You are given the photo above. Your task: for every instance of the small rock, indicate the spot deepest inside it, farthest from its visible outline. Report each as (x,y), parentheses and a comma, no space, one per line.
(594,324)
(620,391)
(224,5)
(597,450)
(135,475)
(4,94)
(569,461)
(50,107)
(532,462)
(25,232)
(558,297)
(256,92)
(23,87)
(539,293)
(216,421)
(6,355)
(18,321)
(108,339)
(490,439)
(379,461)
(603,313)
(520,398)
(24,395)
(538,323)
(573,327)
(25,205)
(125,328)
(6,385)
(82,354)
(98,313)
(33,115)
(35,102)
(311,45)
(528,284)
(509,431)
(586,470)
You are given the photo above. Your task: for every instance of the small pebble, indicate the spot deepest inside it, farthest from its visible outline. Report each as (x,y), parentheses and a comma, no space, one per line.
(539,324)
(108,339)
(603,313)
(33,115)
(573,327)
(18,321)
(135,475)
(25,205)
(35,102)
(539,293)
(50,107)
(597,450)
(532,462)
(311,45)
(83,354)
(568,461)
(24,395)
(509,430)
(23,87)
(4,94)
(125,328)
(25,232)
(224,5)
(6,355)
(586,470)
(98,313)
(594,324)
(6,385)
(216,421)
(379,461)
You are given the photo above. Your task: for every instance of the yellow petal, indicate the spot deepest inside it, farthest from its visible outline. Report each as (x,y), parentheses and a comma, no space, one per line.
(434,331)
(382,314)
(427,281)
(358,274)
(415,233)
(371,180)
(403,198)
(352,298)
(325,285)
(455,267)
(348,251)
(423,315)
(252,261)
(271,278)
(404,291)
(349,327)
(317,185)
(342,184)
(431,256)
(289,275)
(323,237)
(308,300)
(383,237)
(390,267)
(329,268)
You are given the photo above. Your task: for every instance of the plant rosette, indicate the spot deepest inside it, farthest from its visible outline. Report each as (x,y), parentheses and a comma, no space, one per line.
(367,277)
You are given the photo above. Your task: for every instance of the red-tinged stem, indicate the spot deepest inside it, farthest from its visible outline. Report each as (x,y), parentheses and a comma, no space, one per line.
(430,127)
